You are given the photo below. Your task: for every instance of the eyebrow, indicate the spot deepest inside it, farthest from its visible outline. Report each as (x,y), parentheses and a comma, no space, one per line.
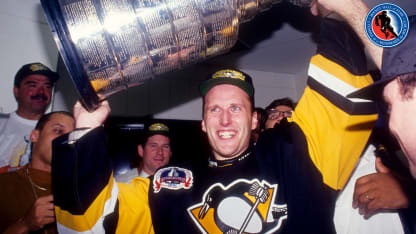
(236,103)
(58,125)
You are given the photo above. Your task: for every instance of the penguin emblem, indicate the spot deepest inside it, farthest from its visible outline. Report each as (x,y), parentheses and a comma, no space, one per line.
(241,207)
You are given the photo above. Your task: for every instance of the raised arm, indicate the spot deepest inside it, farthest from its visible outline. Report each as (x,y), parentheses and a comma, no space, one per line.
(86,196)
(354,13)
(81,171)
(85,119)
(336,127)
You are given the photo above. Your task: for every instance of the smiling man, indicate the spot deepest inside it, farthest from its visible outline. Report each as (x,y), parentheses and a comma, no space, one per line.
(228,125)
(287,184)
(32,89)
(155,152)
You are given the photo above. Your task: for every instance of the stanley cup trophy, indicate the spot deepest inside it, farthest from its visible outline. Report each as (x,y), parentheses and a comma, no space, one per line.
(111,45)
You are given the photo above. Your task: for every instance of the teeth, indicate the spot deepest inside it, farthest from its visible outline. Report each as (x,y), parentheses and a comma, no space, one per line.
(226,134)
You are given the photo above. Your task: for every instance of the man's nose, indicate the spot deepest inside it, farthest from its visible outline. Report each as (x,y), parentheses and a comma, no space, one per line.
(41,90)
(225,118)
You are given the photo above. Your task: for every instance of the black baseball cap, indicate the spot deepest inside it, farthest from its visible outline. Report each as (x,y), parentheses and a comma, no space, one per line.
(397,60)
(228,76)
(34,68)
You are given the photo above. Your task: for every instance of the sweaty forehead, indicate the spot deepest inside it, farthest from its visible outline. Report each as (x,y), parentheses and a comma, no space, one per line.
(282,108)
(158,138)
(225,92)
(61,119)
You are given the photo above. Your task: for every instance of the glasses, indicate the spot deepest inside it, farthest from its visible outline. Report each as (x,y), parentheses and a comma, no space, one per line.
(275,114)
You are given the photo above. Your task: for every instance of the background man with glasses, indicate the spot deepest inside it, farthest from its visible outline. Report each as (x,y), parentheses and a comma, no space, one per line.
(277,110)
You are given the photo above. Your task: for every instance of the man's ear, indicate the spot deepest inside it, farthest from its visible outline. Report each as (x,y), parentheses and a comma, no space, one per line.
(204,129)
(34,135)
(140,150)
(254,120)
(15,91)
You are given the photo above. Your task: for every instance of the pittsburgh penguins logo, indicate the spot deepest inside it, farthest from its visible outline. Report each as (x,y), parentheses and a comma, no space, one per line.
(241,207)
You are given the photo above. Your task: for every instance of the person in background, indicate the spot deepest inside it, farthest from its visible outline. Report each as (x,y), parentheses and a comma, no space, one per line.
(397,89)
(398,74)
(277,110)
(256,132)
(26,201)
(32,89)
(371,176)
(155,152)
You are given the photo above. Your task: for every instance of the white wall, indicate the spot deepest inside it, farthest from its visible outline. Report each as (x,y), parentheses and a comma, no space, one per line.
(270,86)
(24,38)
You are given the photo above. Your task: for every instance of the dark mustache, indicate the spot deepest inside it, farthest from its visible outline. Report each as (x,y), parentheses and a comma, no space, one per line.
(39,96)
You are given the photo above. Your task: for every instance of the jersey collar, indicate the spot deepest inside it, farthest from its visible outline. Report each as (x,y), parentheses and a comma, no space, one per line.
(212,162)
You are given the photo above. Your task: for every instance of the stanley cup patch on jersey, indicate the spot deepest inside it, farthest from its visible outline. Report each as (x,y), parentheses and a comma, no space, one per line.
(242,207)
(173,178)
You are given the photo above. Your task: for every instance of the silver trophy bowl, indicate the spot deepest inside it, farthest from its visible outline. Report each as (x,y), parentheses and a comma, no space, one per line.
(111,45)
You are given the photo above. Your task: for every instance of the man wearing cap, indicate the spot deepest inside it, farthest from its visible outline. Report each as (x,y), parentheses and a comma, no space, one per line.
(155,152)
(33,90)
(396,87)
(398,77)
(288,184)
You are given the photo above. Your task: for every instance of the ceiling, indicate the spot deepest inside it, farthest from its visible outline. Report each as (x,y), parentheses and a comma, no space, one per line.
(280,39)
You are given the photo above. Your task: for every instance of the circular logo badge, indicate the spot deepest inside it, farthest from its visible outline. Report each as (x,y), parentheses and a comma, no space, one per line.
(386,25)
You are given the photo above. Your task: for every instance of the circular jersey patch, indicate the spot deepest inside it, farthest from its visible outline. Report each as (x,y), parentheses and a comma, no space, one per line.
(386,25)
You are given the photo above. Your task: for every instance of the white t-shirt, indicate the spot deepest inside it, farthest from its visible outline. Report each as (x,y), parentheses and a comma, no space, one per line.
(130,175)
(14,141)
(347,219)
